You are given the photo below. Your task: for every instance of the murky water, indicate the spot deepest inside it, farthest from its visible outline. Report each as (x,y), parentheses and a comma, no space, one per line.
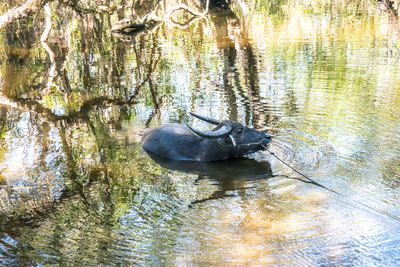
(77,189)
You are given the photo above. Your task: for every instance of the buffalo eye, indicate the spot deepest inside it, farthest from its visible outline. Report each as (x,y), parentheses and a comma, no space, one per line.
(239,131)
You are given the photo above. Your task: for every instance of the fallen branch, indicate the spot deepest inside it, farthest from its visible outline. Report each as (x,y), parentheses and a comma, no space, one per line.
(21,12)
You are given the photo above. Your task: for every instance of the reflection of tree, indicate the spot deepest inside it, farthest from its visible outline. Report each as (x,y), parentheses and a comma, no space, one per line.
(85,185)
(388,7)
(100,87)
(145,17)
(232,38)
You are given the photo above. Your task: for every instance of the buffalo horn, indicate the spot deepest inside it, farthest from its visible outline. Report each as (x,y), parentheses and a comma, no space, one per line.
(209,120)
(221,132)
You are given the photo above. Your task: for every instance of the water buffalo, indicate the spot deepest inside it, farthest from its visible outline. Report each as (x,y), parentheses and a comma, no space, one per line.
(228,140)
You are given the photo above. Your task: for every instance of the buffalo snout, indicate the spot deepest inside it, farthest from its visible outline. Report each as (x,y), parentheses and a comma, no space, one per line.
(267,139)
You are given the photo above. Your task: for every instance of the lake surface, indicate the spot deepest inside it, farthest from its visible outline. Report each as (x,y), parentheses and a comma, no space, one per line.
(77,189)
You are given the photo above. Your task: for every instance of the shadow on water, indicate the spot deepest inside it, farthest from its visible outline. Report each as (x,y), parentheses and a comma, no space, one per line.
(228,175)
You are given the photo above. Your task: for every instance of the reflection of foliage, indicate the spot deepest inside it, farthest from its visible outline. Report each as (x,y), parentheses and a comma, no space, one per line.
(81,125)
(97,73)
(68,105)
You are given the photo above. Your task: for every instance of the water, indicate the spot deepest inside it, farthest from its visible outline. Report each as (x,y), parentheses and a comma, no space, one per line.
(77,189)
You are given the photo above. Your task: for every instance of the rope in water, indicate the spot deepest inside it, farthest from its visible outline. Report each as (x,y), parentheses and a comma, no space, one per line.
(309,180)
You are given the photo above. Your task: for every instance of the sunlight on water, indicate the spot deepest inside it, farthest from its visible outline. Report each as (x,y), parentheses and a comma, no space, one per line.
(322,77)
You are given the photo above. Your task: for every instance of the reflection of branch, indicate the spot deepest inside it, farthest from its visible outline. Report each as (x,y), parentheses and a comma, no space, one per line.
(243,7)
(387,6)
(189,10)
(78,7)
(37,211)
(128,26)
(52,72)
(185,25)
(156,111)
(196,15)
(128,32)
(151,67)
(38,108)
(47,30)
(21,12)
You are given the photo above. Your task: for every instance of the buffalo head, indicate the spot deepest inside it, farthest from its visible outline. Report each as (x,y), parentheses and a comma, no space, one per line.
(227,140)
(233,134)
